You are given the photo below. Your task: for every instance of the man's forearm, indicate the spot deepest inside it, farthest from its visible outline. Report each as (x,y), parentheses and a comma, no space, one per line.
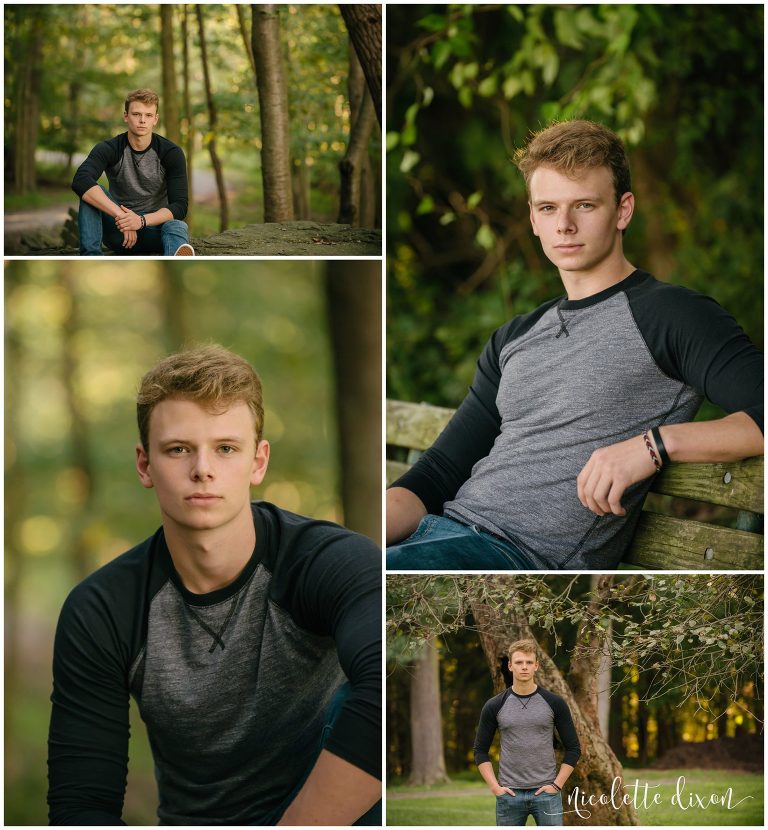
(97,198)
(335,793)
(404,512)
(563,775)
(158,217)
(731,438)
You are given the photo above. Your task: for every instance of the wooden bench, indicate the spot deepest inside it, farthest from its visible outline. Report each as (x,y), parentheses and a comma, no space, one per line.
(661,541)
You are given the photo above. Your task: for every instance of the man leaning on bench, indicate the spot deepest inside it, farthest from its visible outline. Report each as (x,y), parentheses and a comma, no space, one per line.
(578,405)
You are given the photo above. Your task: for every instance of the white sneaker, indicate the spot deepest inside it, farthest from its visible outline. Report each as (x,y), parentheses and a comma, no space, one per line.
(185,250)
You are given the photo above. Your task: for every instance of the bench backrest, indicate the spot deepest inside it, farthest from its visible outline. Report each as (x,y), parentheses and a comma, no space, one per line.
(661,541)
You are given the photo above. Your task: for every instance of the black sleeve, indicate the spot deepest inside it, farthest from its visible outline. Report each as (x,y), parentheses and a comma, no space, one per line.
(564,726)
(88,737)
(694,340)
(336,591)
(104,154)
(176,180)
(486,728)
(437,476)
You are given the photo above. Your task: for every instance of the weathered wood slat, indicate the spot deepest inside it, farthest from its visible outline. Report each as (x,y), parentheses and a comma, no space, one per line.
(663,542)
(415,424)
(395,469)
(736,484)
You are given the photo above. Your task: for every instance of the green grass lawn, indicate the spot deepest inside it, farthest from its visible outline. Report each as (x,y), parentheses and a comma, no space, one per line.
(469,803)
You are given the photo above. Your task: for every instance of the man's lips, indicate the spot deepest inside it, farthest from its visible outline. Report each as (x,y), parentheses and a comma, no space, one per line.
(569,246)
(202,498)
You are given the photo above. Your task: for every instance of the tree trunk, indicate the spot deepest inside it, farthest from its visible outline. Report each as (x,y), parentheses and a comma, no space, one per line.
(212,119)
(273,112)
(597,766)
(427,757)
(363,21)
(172,292)
(246,35)
(188,126)
(355,167)
(28,84)
(353,291)
(170,101)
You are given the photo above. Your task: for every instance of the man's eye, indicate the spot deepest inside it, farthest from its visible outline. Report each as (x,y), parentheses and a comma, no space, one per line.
(227,450)
(586,205)
(177,450)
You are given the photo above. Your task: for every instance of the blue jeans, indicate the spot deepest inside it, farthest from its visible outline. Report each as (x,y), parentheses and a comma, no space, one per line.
(513,810)
(442,544)
(370,819)
(97,227)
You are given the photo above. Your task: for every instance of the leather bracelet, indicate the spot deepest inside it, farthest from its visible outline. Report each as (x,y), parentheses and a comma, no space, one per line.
(143,222)
(663,454)
(559,789)
(654,457)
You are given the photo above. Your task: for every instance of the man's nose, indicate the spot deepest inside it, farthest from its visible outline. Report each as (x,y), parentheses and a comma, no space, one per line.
(565,223)
(202,468)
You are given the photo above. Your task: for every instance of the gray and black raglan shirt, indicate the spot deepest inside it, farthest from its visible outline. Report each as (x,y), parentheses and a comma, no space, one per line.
(144,181)
(554,385)
(526,725)
(232,685)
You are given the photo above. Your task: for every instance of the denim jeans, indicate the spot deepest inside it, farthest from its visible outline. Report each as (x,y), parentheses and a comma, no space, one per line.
(442,544)
(513,810)
(97,227)
(370,819)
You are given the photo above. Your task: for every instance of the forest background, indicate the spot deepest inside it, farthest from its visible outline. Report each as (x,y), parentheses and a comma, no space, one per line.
(681,84)
(79,337)
(69,67)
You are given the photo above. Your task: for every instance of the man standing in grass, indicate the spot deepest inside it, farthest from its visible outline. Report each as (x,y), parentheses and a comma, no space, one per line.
(143,209)
(526,716)
(249,636)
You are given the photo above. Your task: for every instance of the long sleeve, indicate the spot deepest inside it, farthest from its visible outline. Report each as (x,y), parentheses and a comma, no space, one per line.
(104,154)
(176,180)
(486,728)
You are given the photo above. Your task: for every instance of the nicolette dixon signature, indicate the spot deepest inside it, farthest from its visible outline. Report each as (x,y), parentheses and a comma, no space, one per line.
(641,796)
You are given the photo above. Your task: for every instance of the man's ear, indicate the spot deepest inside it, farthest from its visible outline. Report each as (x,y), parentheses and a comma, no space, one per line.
(142,467)
(260,463)
(626,210)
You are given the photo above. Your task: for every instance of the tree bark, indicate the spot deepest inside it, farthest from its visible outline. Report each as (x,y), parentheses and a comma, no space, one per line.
(273,112)
(28,85)
(188,126)
(170,101)
(353,291)
(597,766)
(427,755)
(363,22)
(212,119)
(356,185)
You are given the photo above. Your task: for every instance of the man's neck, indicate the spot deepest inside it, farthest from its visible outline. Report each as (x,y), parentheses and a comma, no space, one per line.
(582,284)
(140,142)
(208,560)
(527,687)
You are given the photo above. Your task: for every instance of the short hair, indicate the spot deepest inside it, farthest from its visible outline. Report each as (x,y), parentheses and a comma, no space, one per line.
(210,375)
(526,646)
(146,96)
(571,146)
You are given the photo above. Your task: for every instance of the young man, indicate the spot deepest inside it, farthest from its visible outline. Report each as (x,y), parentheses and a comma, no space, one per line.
(529,782)
(249,637)
(576,405)
(143,209)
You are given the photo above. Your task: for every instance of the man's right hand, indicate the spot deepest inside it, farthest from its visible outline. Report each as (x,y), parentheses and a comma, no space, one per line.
(129,239)
(499,790)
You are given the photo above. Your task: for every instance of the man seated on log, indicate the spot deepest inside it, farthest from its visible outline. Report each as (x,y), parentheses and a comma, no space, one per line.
(577,405)
(249,636)
(526,717)
(143,209)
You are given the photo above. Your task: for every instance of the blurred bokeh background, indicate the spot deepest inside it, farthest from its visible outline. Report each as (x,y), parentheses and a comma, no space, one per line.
(682,85)
(79,336)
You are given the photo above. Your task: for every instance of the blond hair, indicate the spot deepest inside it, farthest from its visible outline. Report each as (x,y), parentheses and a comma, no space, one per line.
(146,96)
(526,646)
(571,146)
(210,375)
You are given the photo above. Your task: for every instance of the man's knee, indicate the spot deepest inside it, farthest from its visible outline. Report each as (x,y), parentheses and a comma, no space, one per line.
(175,226)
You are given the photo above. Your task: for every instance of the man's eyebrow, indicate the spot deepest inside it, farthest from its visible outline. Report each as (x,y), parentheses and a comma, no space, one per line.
(537,202)
(227,439)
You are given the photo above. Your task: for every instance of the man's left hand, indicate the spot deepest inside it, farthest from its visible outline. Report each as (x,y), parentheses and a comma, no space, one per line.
(608,473)
(547,788)
(128,220)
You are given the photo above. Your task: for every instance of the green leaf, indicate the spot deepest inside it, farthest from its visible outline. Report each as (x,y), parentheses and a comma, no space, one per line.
(410,159)
(447,218)
(433,22)
(411,113)
(516,12)
(486,239)
(427,95)
(441,51)
(426,205)
(408,135)
(393,139)
(487,86)
(465,97)
(511,86)
(474,200)
(565,29)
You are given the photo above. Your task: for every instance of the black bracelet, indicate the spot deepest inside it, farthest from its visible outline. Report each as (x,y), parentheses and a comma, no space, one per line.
(663,454)
(559,789)
(143,222)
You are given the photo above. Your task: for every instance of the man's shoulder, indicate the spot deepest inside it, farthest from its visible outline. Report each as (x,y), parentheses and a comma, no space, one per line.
(556,702)
(521,324)
(163,146)
(497,701)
